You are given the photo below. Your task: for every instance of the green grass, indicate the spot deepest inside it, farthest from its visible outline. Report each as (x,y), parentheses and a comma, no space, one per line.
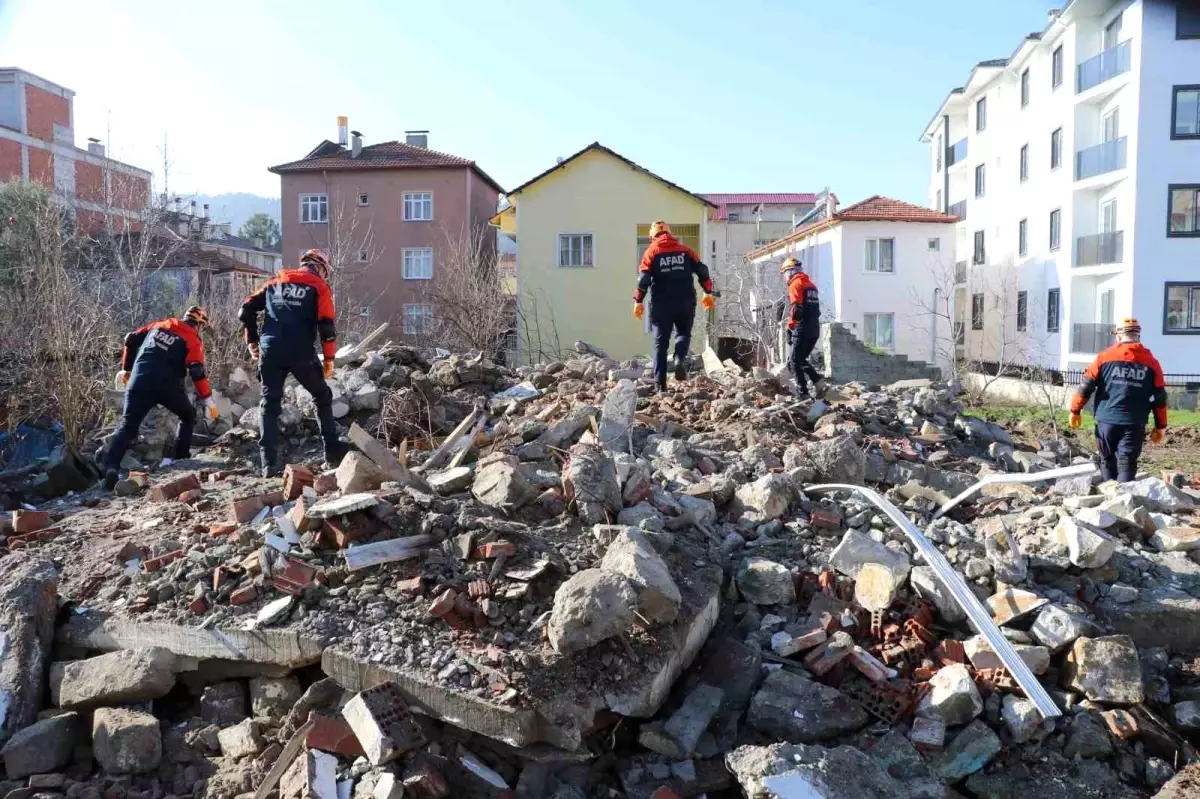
(1010,414)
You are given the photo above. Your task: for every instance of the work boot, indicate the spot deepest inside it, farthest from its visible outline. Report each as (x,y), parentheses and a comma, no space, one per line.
(110,479)
(271,464)
(661,386)
(681,371)
(334,453)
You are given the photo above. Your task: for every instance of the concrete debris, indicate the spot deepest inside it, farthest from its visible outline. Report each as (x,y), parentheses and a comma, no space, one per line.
(798,710)
(130,675)
(1021,718)
(765,582)
(632,556)
(1088,547)
(969,751)
(838,460)
(767,498)
(501,485)
(44,746)
(678,737)
(241,740)
(954,696)
(126,741)
(588,608)
(785,771)
(383,723)
(28,605)
(1057,628)
(590,481)
(856,550)
(1105,670)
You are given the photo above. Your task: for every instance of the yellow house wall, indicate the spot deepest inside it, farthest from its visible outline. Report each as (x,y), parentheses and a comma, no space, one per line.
(600,195)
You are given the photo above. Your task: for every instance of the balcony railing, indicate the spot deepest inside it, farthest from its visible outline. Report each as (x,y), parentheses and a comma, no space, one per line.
(959,209)
(1100,248)
(1102,158)
(1112,62)
(960,272)
(1091,337)
(956,152)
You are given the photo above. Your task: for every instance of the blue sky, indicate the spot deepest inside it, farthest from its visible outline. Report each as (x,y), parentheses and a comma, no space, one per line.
(755,95)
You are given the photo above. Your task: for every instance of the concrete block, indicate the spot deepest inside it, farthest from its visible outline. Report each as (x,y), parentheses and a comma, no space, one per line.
(128,675)
(241,740)
(383,723)
(126,741)
(44,746)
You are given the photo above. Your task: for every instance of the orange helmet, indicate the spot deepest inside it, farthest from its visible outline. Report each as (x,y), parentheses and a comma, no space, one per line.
(658,228)
(1128,327)
(196,315)
(790,264)
(317,261)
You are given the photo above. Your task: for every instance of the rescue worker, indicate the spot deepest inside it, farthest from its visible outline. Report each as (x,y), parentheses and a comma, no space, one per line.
(297,308)
(804,323)
(666,272)
(1128,385)
(153,363)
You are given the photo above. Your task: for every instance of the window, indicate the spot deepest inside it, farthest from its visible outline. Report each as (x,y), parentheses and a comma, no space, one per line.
(881,255)
(1184,211)
(735,216)
(1056,149)
(1112,32)
(575,249)
(1111,125)
(879,330)
(418,319)
(935,245)
(1056,68)
(938,204)
(1022,311)
(418,206)
(1024,162)
(418,263)
(363,256)
(978,255)
(1055,228)
(979,182)
(1052,311)
(1187,20)
(1025,87)
(1181,311)
(980,114)
(1185,113)
(364,200)
(1023,237)
(314,209)
(977,312)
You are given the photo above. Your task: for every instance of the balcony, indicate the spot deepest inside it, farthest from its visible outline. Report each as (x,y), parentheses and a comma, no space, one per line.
(1106,157)
(1091,337)
(959,209)
(956,152)
(1112,62)
(960,273)
(1101,248)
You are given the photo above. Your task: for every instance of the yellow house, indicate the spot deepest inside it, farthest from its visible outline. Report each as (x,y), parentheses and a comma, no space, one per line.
(581,228)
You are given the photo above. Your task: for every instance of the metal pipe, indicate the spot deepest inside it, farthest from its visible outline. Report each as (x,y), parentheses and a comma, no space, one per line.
(1077,470)
(980,618)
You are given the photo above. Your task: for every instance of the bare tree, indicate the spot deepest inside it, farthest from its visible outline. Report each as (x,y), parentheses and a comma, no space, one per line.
(537,328)
(472,309)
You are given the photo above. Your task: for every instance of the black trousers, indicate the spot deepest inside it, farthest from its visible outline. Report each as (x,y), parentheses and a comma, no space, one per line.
(1120,446)
(274,367)
(139,401)
(662,322)
(802,370)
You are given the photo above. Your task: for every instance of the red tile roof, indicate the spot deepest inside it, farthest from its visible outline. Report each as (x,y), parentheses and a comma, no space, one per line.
(387,155)
(723,201)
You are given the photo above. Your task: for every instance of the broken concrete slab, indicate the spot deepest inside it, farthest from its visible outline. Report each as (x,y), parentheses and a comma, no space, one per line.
(981,655)
(787,771)
(358,473)
(588,608)
(1157,618)
(876,586)
(632,555)
(838,460)
(42,747)
(590,481)
(273,697)
(1087,547)
(1013,605)
(1057,628)
(126,741)
(500,484)
(341,506)
(241,740)
(1105,670)
(1176,539)
(678,736)
(766,498)
(130,675)
(795,709)
(1021,717)
(455,480)
(28,606)
(765,582)
(1159,495)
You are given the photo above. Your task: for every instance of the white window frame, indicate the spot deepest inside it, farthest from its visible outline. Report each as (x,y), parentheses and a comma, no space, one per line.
(363,256)
(870,322)
(415,202)
(413,311)
(411,268)
(589,238)
(874,261)
(364,199)
(321,202)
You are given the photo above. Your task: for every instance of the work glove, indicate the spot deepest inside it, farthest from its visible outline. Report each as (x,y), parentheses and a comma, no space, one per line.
(1157,435)
(328,368)
(210,407)
(707,302)
(122,379)
(639,310)
(254,352)
(1076,421)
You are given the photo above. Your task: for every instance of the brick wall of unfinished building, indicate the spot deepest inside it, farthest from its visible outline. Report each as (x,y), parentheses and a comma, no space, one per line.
(848,360)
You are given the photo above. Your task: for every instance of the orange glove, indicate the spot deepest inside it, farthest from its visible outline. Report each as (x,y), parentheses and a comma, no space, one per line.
(328,368)
(1076,421)
(707,302)
(254,352)
(1157,435)
(123,377)
(639,310)
(210,405)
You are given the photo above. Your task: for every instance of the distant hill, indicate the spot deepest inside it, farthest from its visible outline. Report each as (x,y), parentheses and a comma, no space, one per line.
(235,207)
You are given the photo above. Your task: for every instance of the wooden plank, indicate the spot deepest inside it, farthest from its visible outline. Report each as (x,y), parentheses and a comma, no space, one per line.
(360,557)
(465,444)
(345,355)
(370,446)
(290,750)
(441,452)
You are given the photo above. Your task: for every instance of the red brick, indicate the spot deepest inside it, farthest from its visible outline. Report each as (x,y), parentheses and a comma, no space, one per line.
(295,478)
(325,483)
(413,586)
(272,498)
(819,517)
(224,528)
(342,532)
(44,109)
(10,161)
(188,497)
(664,793)
(162,561)
(243,595)
(128,551)
(298,517)
(245,509)
(199,606)
(173,488)
(443,604)
(294,577)
(222,577)
(29,521)
(495,549)
(333,734)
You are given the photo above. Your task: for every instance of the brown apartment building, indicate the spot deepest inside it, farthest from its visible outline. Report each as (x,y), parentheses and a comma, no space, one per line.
(386,214)
(37,143)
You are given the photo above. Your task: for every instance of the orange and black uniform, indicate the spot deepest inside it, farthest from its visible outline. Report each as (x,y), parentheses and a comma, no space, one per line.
(157,357)
(666,272)
(1127,383)
(297,309)
(804,327)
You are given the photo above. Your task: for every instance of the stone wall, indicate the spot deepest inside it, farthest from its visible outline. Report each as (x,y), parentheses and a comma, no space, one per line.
(847,360)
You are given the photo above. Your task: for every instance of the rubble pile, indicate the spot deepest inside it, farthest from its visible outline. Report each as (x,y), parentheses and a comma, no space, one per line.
(553,581)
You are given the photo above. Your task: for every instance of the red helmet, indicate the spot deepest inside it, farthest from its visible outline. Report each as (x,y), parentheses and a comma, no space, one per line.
(317,261)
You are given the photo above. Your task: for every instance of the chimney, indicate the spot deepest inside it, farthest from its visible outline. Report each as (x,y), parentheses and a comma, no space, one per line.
(417,138)
(830,204)
(355,144)
(95,147)
(192,208)
(343,126)
(206,211)
(176,205)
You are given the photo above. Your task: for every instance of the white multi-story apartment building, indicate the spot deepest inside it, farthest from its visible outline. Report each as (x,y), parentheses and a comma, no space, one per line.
(1074,167)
